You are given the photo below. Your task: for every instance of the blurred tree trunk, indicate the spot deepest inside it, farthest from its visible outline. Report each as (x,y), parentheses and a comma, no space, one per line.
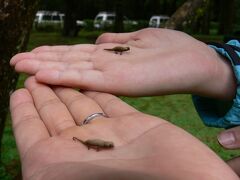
(227,15)
(183,14)
(16,19)
(119,26)
(70,27)
(201,21)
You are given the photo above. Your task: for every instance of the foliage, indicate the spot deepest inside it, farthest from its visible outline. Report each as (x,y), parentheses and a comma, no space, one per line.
(88,9)
(49,28)
(237,19)
(53,5)
(141,24)
(89,25)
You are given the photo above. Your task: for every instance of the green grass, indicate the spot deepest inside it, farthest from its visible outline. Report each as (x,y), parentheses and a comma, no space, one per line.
(55,38)
(180,110)
(177,109)
(209,38)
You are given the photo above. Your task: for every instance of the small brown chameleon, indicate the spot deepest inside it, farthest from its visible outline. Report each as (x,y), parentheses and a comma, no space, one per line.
(119,49)
(96,144)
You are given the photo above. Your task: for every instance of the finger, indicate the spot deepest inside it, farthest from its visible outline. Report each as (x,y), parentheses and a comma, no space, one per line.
(27,125)
(110,104)
(78,104)
(32,67)
(86,79)
(52,111)
(63,48)
(235,165)
(115,37)
(20,56)
(51,56)
(230,138)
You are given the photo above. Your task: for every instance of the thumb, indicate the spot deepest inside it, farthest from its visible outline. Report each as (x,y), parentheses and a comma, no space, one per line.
(115,38)
(230,138)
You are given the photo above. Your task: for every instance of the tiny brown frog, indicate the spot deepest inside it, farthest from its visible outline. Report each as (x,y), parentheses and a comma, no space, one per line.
(96,144)
(119,49)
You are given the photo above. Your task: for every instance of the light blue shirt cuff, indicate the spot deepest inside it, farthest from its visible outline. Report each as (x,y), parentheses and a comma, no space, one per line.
(208,109)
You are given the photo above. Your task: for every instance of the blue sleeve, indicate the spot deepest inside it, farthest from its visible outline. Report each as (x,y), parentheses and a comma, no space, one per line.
(217,113)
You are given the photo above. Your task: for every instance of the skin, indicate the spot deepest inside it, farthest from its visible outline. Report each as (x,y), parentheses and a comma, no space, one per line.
(46,119)
(234,143)
(161,62)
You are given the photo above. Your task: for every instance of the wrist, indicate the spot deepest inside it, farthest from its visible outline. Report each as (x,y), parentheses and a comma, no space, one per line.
(228,71)
(218,79)
(198,70)
(222,82)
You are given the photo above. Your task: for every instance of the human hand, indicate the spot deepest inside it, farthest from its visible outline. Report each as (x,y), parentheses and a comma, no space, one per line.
(230,139)
(160,61)
(45,120)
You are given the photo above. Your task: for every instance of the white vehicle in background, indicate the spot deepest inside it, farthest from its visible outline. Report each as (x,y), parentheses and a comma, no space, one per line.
(80,23)
(48,18)
(158,21)
(44,19)
(106,20)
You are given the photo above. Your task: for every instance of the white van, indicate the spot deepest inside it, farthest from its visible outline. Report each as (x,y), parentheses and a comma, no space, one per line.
(158,21)
(49,18)
(106,19)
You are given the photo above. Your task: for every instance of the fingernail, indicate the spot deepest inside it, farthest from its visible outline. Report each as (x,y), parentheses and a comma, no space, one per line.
(226,138)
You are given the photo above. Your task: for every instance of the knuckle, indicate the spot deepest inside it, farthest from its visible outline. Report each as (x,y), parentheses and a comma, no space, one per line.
(75,99)
(47,103)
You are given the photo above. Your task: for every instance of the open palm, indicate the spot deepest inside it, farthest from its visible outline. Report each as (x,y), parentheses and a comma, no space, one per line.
(45,120)
(159,61)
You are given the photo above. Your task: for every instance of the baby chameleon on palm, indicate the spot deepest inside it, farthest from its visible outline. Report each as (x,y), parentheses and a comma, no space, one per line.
(118,49)
(96,143)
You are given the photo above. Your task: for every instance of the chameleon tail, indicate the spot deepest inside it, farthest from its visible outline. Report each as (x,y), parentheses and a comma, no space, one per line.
(76,139)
